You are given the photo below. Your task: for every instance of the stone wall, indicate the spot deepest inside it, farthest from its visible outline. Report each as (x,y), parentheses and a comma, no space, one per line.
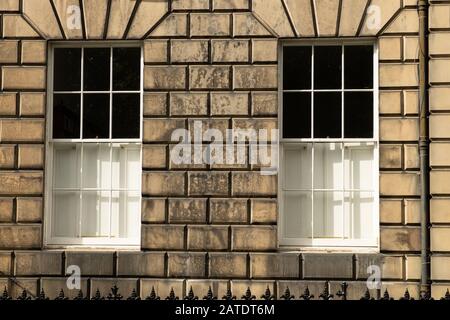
(217,62)
(439,80)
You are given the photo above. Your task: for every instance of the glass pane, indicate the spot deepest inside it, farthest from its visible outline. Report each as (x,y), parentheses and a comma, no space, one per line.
(359,166)
(134,168)
(297,166)
(96,166)
(66,166)
(96,116)
(66,116)
(297,67)
(67,69)
(358,115)
(327,67)
(328,171)
(126,116)
(297,115)
(297,215)
(66,212)
(358,67)
(125,213)
(328,215)
(360,215)
(126,68)
(126,168)
(95,219)
(327,115)
(96,72)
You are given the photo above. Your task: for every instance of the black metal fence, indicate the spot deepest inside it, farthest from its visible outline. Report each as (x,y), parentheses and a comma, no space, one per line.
(114,294)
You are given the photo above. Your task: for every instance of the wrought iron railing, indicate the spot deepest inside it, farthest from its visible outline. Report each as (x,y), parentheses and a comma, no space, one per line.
(114,294)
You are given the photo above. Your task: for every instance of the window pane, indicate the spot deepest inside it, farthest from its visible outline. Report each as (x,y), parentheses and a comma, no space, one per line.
(328,215)
(96,69)
(297,67)
(358,115)
(66,212)
(66,166)
(126,116)
(67,69)
(358,62)
(96,166)
(66,116)
(125,214)
(359,166)
(297,115)
(327,115)
(297,167)
(297,215)
(126,68)
(95,219)
(328,168)
(327,67)
(96,116)
(126,167)
(359,212)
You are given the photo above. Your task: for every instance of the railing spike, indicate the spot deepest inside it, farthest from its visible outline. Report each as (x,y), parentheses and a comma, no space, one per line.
(210,295)
(153,295)
(172,295)
(191,295)
(287,295)
(248,295)
(306,294)
(267,295)
(229,295)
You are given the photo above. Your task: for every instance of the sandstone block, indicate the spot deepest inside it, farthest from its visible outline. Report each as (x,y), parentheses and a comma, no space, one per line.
(255,77)
(163,183)
(228,265)
(187,264)
(189,51)
(163,237)
(230,51)
(208,183)
(165,77)
(225,103)
(253,184)
(154,210)
(228,210)
(254,238)
(213,238)
(209,77)
(187,210)
(186,103)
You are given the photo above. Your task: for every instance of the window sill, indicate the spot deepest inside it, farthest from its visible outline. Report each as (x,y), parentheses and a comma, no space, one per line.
(296,249)
(80,248)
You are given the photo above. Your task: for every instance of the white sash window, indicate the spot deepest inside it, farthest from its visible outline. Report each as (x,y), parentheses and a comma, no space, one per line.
(94,146)
(329,142)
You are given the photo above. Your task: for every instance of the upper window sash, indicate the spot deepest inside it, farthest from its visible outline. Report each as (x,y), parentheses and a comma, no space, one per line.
(95,96)
(306,91)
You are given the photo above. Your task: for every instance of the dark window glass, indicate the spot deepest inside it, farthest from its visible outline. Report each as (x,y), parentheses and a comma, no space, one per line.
(327,115)
(96,116)
(96,69)
(297,68)
(327,67)
(125,115)
(67,69)
(66,116)
(126,68)
(297,115)
(358,115)
(358,67)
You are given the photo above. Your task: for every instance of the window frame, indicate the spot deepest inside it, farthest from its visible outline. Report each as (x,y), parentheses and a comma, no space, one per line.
(306,244)
(87,242)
